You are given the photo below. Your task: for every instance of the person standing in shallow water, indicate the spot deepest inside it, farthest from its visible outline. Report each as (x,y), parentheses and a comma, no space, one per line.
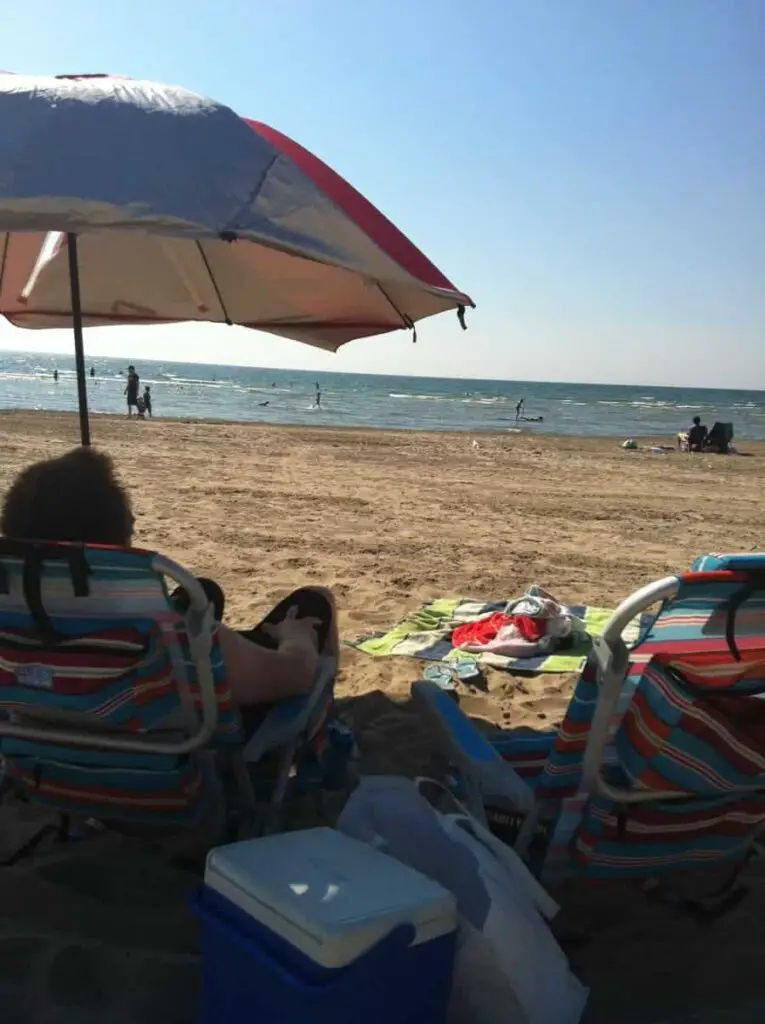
(133,383)
(318,395)
(519,409)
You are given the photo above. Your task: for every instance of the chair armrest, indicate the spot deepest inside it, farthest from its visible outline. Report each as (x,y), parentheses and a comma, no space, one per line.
(291,717)
(471,752)
(612,658)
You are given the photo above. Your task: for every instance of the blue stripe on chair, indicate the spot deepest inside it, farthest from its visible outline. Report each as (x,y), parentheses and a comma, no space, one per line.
(107,777)
(13,747)
(737,562)
(475,744)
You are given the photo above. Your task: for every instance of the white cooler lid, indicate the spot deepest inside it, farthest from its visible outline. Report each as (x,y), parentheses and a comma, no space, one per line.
(330,896)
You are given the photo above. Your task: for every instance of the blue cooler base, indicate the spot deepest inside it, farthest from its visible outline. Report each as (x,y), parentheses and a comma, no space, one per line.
(253,975)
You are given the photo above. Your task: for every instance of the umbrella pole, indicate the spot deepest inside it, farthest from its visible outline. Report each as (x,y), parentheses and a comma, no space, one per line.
(79,350)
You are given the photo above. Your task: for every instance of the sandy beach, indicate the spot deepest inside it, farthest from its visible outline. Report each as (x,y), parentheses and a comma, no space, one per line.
(388,520)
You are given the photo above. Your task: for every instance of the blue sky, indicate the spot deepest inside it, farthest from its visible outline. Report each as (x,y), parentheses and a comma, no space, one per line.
(592,172)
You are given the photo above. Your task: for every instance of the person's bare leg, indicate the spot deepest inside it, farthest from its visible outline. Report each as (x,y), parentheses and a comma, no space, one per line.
(315,602)
(326,612)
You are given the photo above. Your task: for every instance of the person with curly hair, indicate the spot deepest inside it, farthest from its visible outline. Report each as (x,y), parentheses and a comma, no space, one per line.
(78,498)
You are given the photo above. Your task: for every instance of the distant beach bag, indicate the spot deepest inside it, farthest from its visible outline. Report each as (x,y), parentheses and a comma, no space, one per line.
(509,968)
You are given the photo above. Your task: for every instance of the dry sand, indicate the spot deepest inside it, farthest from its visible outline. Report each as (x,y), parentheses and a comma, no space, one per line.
(388,520)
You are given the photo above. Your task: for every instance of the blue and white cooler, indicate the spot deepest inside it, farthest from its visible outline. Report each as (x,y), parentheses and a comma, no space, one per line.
(316,926)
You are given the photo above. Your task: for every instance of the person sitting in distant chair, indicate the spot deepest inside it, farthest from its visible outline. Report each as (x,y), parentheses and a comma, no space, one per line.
(694,439)
(697,435)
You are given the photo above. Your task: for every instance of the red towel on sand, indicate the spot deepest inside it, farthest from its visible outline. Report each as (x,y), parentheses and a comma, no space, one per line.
(485,630)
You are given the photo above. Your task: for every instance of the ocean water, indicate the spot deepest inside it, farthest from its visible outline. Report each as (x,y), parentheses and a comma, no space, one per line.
(239,393)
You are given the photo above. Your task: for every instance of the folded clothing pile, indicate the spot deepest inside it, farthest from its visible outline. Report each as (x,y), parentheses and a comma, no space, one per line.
(535,624)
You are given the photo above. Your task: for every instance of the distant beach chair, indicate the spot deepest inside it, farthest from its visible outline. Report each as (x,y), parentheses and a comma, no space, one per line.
(114,704)
(659,764)
(719,438)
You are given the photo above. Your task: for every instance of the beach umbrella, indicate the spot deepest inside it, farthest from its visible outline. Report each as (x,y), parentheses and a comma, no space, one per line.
(130,202)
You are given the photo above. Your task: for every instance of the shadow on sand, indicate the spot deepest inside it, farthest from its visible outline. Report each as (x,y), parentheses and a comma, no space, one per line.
(100,931)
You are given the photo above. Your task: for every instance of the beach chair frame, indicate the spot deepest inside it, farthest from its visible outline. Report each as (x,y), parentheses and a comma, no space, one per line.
(282,730)
(482,771)
(613,656)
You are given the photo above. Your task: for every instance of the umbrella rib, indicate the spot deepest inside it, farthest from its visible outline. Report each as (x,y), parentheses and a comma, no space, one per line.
(6,245)
(214,283)
(405,320)
(247,205)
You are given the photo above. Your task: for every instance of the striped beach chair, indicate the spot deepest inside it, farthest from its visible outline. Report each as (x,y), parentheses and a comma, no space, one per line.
(114,704)
(659,763)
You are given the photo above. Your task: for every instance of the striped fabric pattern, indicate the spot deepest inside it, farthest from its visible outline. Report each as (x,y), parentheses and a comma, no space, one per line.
(690,719)
(695,724)
(526,754)
(122,657)
(674,738)
(667,835)
(554,758)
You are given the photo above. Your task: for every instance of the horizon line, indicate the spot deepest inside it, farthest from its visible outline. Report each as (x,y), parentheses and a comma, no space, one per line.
(363,373)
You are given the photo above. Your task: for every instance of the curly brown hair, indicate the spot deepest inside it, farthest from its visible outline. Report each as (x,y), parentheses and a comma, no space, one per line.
(76,497)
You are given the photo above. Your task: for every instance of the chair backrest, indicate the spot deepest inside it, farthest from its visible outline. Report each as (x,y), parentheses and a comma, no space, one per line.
(744,561)
(91,644)
(721,433)
(693,726)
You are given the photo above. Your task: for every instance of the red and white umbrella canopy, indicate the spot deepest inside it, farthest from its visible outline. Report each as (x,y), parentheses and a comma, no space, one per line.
(185,211)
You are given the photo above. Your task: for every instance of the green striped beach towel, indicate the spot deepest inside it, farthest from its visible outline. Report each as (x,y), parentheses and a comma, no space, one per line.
(426,634)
